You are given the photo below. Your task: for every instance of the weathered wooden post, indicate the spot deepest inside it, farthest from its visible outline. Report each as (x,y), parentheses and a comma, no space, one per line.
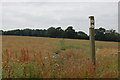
(92,39)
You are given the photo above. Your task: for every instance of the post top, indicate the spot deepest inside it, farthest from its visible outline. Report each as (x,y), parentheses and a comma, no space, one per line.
(91,17)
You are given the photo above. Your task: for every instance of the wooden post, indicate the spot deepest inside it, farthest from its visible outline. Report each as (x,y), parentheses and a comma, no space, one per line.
(92,39)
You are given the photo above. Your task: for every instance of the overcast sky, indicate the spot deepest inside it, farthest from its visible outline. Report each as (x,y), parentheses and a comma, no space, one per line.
(41,15)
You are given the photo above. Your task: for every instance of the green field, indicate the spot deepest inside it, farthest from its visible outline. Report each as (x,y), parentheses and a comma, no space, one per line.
(38,57)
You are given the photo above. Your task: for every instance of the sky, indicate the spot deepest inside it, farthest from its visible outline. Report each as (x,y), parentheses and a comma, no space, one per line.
(44,14)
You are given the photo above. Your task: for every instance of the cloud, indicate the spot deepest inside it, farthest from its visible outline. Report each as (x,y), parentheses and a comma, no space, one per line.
(46,14)
(0,15)
(59,0)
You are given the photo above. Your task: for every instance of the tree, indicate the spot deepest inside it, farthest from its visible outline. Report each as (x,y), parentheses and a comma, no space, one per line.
(26,32)
(70,32)
(51,32)
(1,32)
(111,35)
(82,35)
(100,34)
(59,32)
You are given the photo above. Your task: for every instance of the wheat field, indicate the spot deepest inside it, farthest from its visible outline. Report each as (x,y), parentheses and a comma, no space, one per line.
(40,57)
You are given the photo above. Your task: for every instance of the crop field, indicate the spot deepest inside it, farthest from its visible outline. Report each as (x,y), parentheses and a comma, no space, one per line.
(39,57)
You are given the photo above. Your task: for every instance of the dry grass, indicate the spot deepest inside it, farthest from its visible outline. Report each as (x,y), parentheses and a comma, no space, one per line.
(33,57)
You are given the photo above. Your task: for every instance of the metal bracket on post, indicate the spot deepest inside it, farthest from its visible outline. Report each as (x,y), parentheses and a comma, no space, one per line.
(92,39)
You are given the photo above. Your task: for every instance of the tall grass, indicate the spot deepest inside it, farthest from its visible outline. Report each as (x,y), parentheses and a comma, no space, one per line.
(70,64)
(31,57)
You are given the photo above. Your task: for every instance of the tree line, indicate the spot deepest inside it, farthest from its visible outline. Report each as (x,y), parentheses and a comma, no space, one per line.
(101,34)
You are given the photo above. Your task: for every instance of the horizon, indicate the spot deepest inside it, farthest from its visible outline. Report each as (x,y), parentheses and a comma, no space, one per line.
(61,28)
